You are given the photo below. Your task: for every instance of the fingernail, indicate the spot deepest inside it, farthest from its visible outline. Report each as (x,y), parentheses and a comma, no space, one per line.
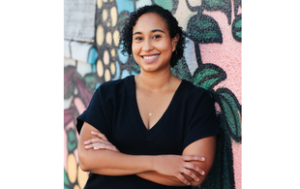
(85,142)
(203,172)
(202,158)
(93,132)
(197,179)
(87,146)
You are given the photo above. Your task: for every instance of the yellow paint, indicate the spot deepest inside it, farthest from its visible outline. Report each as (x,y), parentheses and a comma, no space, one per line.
(104,14)
(100,68)
(108,24)
(116,37)
(106,57)
(107,75)
(82,177)
(100,35)
(76,187)
(108,38)
(113,14)
(113,52)
(104,1)
(113,68)
(72,168)
(99,4)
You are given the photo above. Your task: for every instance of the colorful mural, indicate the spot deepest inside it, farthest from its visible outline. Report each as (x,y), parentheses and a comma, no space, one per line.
(212,60)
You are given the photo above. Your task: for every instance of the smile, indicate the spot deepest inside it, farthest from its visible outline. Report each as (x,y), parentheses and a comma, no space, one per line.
(150,57)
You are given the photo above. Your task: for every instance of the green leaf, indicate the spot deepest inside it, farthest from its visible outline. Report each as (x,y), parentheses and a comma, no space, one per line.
(91,81)
(72,140)
(67,183)
(214,3)
(208,75)
(181,70)
(237,28)
(204,29)
(230,108)
(166,4)
(122,19)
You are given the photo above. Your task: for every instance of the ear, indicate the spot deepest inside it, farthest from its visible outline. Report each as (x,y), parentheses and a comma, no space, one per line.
(174,42)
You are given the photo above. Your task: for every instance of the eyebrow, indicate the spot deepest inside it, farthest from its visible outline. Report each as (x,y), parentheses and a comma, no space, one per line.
(156,30)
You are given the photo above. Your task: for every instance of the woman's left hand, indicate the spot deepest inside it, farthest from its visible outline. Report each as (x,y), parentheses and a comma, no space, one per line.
(99,143)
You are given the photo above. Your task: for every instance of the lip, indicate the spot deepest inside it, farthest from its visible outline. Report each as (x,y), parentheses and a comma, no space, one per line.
(151,58)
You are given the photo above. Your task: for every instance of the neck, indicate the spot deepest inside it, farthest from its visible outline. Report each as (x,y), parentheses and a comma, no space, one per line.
(153,81)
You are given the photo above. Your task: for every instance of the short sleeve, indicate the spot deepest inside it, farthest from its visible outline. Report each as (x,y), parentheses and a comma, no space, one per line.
(203,121)
(94,114)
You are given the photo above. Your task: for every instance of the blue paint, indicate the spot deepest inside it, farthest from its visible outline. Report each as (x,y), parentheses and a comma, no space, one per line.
(125,5)
(118,71)
(121,56)
(133,73)
(93,55)
(94,68)
(98,85)
(125,73)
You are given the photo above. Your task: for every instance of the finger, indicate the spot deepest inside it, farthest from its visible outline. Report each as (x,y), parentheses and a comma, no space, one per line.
(193,158)
(87,142)
(94,140)
(194,167)
(183,179)
(100,135)
(190,174)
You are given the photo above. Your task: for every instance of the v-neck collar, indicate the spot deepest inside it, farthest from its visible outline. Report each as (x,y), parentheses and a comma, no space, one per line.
(136,108)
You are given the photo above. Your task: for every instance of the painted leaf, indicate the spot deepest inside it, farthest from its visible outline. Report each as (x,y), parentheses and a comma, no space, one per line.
(67,183)
(204,29)
(165,4)
(222,5)
(208,75)
(91,81)
(237,28)
(72,140)
(181,70)
(122,19)
(231,109)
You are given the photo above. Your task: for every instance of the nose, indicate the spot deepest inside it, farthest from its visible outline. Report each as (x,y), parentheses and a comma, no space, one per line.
(147,46)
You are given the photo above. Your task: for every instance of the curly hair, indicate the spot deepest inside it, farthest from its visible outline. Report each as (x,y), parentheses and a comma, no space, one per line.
(172,23)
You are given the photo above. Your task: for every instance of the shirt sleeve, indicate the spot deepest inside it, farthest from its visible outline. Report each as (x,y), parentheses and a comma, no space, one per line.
(94,114)
(203,121)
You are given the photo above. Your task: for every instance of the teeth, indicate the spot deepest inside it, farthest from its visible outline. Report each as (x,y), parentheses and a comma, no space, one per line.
(150,57)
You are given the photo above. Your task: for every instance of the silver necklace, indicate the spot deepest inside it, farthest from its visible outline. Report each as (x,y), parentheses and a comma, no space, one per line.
(150,112)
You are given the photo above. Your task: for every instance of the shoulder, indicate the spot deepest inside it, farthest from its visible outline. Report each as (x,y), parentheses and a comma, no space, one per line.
(192,92)
(115,88)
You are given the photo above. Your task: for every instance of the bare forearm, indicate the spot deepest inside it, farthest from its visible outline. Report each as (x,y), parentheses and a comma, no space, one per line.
(161,179)
(107,162)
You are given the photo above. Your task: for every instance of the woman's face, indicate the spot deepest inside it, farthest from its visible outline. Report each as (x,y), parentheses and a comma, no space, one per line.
(152,45)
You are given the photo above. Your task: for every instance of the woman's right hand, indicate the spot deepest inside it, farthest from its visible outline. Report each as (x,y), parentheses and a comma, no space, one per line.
(178,166)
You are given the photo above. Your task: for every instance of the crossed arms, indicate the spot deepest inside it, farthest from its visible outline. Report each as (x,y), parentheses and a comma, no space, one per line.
(98,155)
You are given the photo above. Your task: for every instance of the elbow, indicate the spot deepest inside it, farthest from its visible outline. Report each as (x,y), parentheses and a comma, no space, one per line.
(83,162)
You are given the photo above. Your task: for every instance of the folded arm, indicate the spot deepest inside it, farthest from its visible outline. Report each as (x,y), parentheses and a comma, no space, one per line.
(114,163)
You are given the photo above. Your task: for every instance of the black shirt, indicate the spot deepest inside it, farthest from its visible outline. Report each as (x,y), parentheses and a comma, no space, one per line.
(113,110)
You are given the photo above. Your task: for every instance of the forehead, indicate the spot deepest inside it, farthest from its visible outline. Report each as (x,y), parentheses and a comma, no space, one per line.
(149,22)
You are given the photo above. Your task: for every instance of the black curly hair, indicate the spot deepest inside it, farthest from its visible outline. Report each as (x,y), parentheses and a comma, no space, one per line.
(174,29)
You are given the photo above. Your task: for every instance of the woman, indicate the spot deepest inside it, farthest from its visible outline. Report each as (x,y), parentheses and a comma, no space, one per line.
(152,130)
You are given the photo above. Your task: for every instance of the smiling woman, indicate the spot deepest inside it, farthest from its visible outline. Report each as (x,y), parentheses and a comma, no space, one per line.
(152,130)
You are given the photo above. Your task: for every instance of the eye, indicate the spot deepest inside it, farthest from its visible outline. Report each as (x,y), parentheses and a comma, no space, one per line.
(156,37)
(138,38)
